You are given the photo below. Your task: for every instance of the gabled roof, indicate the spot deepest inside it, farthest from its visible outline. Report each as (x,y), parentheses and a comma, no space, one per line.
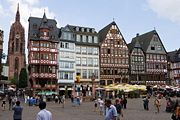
(177,57)
(145,39)
(103,32)
(134,44)
(171,56)
(174,56)
(67,26)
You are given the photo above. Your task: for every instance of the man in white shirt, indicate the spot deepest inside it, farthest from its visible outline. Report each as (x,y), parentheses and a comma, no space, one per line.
(111,112)
(43,114)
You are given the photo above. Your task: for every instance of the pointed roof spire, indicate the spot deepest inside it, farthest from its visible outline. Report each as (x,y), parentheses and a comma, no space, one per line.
(18,14)
(44,21)
(44,17)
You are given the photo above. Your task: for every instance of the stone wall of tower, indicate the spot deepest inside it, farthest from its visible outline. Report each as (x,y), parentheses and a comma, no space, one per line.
(1,48)
(16,48)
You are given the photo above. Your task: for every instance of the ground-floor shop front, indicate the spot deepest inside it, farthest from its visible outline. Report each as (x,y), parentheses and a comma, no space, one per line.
(113,79)
(42,85)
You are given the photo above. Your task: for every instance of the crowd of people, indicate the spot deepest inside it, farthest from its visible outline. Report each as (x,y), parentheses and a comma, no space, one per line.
(112,109)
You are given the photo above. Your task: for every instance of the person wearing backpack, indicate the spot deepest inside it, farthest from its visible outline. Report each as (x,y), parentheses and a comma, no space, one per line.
(119,109)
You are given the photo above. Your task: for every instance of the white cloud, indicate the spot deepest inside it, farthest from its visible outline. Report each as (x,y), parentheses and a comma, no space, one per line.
(32,2)
(166,8)
(1,9)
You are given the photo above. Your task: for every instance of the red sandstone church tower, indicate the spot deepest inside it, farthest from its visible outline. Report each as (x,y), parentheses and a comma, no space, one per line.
(16,48)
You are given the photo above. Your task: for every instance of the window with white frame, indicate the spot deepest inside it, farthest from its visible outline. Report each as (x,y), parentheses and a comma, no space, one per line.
(70,76)
(84,51)
(90,62)
(95,39)
(95,61)
(84,61)
(96,74)
(78,38)
(84,74)
(61,75)
(78,61)
(90,50)
(84,38)
(53,69)
(90,39)
(96,51)
(90,73)
(78,49)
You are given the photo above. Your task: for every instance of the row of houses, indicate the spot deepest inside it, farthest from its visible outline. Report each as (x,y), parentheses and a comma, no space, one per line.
(56,56)
(67,57)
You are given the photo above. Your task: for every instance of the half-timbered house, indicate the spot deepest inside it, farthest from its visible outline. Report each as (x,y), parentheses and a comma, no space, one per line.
(155,57)
(114,60)
(42,49)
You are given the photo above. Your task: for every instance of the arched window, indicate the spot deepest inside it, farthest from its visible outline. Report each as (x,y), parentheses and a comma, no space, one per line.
(16,63)
(21,48)
(13,47)
(17,44)
(16,75)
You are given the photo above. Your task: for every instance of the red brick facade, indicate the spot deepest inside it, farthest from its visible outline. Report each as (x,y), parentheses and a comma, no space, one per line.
(16,48)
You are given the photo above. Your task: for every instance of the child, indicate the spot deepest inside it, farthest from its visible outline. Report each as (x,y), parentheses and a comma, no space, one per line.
(95,105)
(4,104)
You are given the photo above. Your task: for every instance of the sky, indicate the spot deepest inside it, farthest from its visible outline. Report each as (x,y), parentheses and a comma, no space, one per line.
(131,16)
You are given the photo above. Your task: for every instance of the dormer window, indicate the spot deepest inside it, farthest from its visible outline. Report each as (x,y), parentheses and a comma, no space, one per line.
(34,26)
(82,29)
(87,30)
(77,29)
(41,33)
(152,47)
(93,30)
(45,33)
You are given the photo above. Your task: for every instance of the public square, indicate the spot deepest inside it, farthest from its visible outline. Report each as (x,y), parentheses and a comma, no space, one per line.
(85,111)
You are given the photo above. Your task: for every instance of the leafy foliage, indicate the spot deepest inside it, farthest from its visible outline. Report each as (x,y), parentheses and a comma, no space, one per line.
(14,82)
(23,78)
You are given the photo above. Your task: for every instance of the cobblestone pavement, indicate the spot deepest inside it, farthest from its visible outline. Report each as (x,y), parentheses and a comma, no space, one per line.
(134,111)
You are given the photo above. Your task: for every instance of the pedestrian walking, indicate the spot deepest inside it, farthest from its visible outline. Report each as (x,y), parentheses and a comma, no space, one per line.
(111,112)
(105,106)
(95,105)
(17,111)
(43,114)
(25,99)
(157,104)
(10,103)
(101,106)
(176,113)
(4,104)
(125,102)
(63,101)
(121,101)
(119,109)
(146,103)
(56,99)
(72,101)
(78,100)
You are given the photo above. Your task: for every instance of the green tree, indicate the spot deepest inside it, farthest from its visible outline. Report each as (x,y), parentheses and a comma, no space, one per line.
(23,78)
(14,82)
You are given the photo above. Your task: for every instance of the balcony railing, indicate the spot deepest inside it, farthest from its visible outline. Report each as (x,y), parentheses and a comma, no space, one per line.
(44,75)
